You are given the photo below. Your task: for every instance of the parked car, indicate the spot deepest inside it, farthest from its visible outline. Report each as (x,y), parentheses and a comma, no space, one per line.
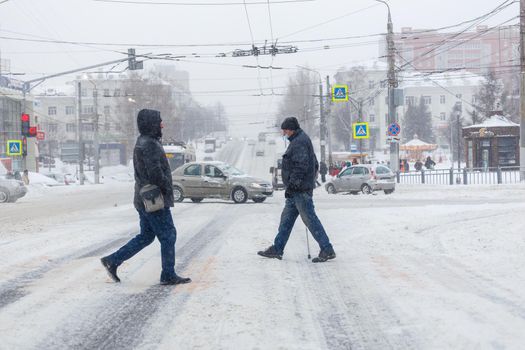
(199,180)
(259,152)
(271,141)
(364,178)
(277,179)
(251,142)
(64,179)
(11,190)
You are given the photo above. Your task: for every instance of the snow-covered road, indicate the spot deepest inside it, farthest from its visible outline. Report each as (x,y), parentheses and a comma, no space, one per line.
(425,268)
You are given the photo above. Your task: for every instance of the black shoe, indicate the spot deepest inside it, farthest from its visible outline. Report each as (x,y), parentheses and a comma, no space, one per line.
(175,280)
(110,268)
(324,255)
(271,253)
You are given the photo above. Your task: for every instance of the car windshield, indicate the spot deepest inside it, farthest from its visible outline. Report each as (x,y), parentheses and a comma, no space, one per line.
(230,170)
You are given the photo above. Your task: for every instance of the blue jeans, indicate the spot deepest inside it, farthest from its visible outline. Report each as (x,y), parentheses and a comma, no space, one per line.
(300,203)
(157,224)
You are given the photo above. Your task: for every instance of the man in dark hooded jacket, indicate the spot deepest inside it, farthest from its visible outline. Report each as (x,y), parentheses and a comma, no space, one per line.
(299,171)
(151,167)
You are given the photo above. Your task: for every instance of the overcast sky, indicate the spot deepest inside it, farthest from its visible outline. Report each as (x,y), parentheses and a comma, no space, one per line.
(134,24)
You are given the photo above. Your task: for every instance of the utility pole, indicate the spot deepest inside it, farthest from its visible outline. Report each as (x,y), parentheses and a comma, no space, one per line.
(392,84)
(328,119)
(79,130)
(322,122)
(522,90)
(96,143)
(458,115)
(360,120)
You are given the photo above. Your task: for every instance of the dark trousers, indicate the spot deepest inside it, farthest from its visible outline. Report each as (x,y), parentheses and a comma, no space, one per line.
(300,203)
(157,224)
(323,178)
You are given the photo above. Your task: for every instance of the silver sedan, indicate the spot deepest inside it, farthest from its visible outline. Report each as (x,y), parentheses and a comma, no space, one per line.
(11,190)
(199,180)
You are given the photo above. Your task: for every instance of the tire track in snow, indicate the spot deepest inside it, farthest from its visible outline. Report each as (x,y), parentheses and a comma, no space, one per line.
(16,288)
(121,321)
(350,316)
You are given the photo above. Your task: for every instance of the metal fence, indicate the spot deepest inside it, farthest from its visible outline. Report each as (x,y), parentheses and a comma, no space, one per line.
(465,176)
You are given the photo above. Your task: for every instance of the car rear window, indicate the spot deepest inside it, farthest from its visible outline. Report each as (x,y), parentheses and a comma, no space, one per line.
(382,170)
(360,171)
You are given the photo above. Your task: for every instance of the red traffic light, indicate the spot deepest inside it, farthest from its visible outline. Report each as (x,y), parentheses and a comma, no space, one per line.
(25,117)
(32,131)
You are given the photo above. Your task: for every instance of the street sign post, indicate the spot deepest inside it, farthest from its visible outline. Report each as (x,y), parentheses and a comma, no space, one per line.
(340,93)
(14,147)
(361,130)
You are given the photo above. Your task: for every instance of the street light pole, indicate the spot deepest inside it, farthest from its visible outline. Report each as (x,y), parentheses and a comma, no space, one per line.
(79,136)
(522,90)
(392,84)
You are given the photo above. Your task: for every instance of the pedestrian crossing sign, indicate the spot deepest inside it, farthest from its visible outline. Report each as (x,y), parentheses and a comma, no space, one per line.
(340,93)
(361,131)
(14,147)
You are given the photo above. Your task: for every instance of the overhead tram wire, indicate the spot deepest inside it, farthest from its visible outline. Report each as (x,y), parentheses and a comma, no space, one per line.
(199,3)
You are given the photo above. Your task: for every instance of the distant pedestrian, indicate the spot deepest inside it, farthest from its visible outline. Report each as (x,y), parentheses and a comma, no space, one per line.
(298,173)
(151,168)
(418,165)
(323,171)
(25,177)
(18,176)
(429,163)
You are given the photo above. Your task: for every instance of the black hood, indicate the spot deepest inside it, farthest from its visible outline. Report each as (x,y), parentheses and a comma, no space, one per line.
(148,122)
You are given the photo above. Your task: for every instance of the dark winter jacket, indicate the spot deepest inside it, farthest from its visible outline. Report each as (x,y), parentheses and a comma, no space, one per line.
(300,166)
(429,163)
(149,159)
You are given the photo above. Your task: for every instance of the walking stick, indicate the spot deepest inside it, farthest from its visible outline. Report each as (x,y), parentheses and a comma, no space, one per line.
(307,242)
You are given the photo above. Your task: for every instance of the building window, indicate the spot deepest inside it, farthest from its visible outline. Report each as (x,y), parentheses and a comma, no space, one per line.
(84,92)
(371,84)
(95,93)
(442,116)
(116,93)
(427,100)
(71,127)
(87,109)
(51,110)
(106,110)
(70,110)
(410,100)
(87,127)
(459,96)
(52,128)
(372,118)
(442,99)
(474,99)
(372,102)
(383,84)
(106,93)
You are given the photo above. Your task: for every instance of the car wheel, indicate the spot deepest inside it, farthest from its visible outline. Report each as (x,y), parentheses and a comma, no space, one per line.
(259,200)
(4,195)
(389,191)
(178,195)
(239,195)
(366,189)
(197,200)
(330,189)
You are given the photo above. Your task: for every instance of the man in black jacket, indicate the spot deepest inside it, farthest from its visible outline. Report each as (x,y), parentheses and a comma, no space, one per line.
(299,170)
(151,167)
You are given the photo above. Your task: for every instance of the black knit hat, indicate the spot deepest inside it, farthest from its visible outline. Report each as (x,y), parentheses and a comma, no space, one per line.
(290,123)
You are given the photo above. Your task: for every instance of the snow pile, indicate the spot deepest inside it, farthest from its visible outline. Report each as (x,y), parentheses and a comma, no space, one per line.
(496,121)
(40,179)
(3,170)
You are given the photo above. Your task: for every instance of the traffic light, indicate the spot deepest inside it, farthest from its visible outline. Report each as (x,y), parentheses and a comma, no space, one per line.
(24,146)
(32,131)
(25,124)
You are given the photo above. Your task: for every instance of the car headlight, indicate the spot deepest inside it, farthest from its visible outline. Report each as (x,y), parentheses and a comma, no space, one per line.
(256,185)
